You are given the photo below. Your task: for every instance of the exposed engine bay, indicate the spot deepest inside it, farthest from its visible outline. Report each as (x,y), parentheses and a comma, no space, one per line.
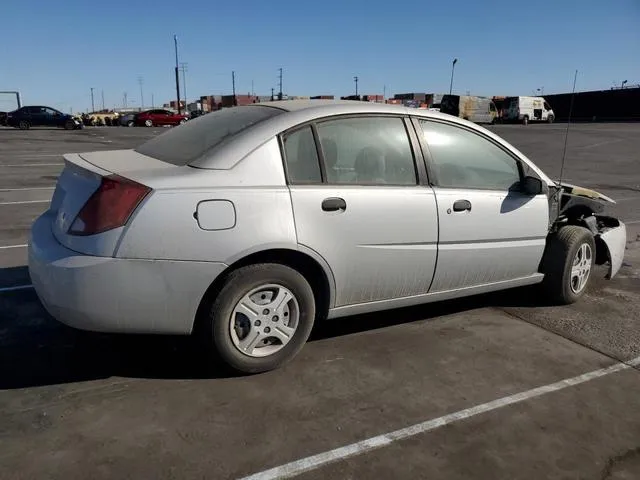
(574,205)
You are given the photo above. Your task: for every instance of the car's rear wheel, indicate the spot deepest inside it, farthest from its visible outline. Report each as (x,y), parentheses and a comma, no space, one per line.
(568,262)
(183,121)
(148,123)
(69,125)
(550,119)
(525,120)
(24,125)
(131,123)
(261,317)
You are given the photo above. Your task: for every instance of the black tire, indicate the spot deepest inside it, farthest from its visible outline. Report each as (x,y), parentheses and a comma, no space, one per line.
(148,123)
(69,125)
(525,120)
(24,125)
(217,329)
(131,123)
(550,119)
(559,255)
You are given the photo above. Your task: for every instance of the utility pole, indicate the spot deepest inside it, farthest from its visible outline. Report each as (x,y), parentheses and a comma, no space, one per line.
(233,86)
(355,79)
(453,66)
(124,100)
(175,41)
(153,103)
(183,69)
(280,84)
(272,98)
(141,81)
(103,100)
(253,93)
(93,108)
(384,93)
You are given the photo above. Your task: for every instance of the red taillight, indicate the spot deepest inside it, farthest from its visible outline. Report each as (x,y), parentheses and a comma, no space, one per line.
(110,206)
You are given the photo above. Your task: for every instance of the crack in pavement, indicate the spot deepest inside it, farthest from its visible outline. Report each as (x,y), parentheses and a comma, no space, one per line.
(617,459)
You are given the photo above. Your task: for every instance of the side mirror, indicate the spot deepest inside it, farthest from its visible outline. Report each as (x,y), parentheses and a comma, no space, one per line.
(532,186)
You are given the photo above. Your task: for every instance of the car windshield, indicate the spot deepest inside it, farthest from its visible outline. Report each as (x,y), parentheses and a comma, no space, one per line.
(183,145)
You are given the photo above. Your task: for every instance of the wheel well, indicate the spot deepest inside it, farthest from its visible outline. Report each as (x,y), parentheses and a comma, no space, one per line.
(299,261)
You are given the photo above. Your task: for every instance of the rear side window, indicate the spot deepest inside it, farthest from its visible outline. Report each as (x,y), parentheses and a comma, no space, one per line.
(367,151)
(302,157)
(182,145)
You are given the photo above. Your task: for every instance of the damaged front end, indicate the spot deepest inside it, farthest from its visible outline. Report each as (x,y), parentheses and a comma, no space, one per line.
(573,205)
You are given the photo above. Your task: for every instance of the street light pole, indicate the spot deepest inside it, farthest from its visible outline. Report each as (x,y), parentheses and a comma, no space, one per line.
(355,79)
(175,42)
(93,108)
(453,66)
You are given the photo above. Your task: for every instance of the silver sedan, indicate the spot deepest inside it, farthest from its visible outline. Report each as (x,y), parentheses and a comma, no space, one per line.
(247,225)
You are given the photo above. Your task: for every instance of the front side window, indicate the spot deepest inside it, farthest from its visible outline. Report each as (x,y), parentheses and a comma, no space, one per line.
(463,159)
(367,151)
(301,157)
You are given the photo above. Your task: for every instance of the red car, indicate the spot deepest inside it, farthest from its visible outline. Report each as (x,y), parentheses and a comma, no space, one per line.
(152,118)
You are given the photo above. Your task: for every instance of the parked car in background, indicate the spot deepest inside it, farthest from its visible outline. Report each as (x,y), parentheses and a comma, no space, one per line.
(196,113)
(474,109)
(527,109)
(39,116)
(127,119)
(249,224)
(160,118)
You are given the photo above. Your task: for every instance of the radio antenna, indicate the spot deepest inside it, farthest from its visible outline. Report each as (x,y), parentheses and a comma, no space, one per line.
(566,135)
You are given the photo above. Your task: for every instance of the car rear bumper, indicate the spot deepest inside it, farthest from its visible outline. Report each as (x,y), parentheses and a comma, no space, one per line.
(115,294)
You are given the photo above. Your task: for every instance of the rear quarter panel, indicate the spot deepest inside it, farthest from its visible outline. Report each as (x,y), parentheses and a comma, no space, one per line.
(166,228)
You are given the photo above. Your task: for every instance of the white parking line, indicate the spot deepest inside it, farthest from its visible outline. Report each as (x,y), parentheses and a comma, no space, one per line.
(628,199)
(316,461)
(25,201)
(37,155)
(25,188)
(16,288)
(33,165)
(13,246)
(631,222)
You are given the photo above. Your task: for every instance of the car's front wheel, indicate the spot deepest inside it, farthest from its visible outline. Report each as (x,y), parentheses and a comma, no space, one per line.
(24,125)
(148,123)
(261,318)
(69,125)
(568,261)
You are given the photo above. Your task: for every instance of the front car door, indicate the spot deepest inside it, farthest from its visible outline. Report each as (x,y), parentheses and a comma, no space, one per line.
(359,204)
(489,230)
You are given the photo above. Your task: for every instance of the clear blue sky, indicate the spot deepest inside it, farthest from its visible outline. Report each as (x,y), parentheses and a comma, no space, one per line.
(55,51)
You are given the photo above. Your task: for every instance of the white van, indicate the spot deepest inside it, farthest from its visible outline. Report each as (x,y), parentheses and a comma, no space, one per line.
(527,109)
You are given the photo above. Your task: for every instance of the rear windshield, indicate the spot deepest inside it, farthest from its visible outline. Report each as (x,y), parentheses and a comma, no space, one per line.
(182,145)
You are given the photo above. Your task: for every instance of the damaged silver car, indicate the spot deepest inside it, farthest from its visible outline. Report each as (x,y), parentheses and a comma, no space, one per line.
(247,225)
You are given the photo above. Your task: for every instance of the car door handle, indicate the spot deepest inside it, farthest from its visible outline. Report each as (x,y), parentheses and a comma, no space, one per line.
(334,204)
(461,205)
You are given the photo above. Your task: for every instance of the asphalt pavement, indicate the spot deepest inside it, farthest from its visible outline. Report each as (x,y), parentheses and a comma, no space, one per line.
(494,386)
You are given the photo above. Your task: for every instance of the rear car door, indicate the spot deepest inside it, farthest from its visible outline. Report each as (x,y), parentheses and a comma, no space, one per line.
(37,117)
(490,231)
(359,204)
